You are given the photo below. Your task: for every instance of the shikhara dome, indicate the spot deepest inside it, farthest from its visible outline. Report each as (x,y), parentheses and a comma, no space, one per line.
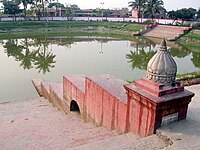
(162,68)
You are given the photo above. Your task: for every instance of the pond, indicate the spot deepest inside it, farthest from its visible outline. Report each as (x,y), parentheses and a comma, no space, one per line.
(52,57)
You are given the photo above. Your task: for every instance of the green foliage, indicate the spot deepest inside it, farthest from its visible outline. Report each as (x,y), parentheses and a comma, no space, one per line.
(70,25)
(183,14)
(25,4)
(193,36)
(59,5)
(197,24)
(189,76)
(139,58)
(70,11)
(153,7)
(12,7)
(39,56)
(148,22)
(138,5)
(198,14)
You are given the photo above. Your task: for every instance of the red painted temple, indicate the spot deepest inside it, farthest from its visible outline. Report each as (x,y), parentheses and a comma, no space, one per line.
(140,107)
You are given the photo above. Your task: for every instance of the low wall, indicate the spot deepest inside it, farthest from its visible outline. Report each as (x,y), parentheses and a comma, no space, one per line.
(104,108)
(114,19)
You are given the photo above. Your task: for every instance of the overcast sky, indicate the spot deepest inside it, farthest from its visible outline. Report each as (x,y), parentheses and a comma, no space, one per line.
(169,4)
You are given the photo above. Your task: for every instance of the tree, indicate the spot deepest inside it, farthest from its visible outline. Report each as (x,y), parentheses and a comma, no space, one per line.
(39,5)
(12,7)
(154,7)
(12,49)
(51,5)
(138,5)
(186,14)
(44,59)
(172,15)
(198,14)
(42,4)
(183,14)
(25,4)
(27,56)
(70,11)
(140,58)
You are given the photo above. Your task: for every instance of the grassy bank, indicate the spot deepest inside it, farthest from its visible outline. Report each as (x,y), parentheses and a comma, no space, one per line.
(188,79)
(5,26)
(189,76)
(67,28)
(191,41)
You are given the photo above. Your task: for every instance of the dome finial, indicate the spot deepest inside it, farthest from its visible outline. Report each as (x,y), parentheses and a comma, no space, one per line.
(162,67)
(163,45)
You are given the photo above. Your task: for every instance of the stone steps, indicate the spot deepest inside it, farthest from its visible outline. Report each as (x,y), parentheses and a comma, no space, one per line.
(39,126)
(168,32)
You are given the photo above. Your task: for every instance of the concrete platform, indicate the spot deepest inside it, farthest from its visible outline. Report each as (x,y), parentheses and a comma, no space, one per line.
(78,81)
(185,134)
(35,124)
(113,85)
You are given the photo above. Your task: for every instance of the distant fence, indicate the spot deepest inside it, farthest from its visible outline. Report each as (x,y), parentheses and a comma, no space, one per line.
(114,19)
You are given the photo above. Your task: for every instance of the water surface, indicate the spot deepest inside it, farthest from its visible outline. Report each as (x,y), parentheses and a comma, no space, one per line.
(52,57)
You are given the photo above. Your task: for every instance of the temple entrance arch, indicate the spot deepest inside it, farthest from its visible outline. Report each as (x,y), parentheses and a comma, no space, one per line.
(74,106)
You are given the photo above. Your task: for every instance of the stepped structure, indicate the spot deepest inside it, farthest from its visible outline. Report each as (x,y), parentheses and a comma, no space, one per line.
(169,32)
(140,107)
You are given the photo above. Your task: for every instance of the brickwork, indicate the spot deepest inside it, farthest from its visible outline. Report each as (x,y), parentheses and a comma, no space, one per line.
(140,108)
(147,109)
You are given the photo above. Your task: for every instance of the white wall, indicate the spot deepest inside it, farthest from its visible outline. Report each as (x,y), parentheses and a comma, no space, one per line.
(117,19)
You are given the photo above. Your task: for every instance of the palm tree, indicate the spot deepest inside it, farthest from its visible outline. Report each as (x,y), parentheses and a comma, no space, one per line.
(140,58)
(13,49)
(172,15)
(153,7)
(25,4)
(28,57)
(41,3)
(44,60)
(138,5)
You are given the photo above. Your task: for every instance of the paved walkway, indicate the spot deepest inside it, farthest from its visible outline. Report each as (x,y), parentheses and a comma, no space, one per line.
(186,134)
(36,125)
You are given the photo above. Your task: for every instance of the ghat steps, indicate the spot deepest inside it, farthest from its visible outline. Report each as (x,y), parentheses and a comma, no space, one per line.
(112,140)
(35,124)
(171,33)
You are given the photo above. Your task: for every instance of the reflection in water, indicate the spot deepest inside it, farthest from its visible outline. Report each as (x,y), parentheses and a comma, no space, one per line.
(41,57)
(140,57)
(145,49)
(183,53)
(49,58)
(44,59)
(196,59)
(101,41)
(179,53)
(37,52)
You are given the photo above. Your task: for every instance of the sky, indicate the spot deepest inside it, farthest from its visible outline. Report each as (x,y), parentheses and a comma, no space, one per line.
(168,4)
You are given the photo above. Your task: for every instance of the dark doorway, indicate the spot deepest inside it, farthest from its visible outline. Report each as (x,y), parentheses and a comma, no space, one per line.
(74,106)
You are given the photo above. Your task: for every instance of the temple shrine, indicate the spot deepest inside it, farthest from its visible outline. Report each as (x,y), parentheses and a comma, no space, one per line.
(140,107)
